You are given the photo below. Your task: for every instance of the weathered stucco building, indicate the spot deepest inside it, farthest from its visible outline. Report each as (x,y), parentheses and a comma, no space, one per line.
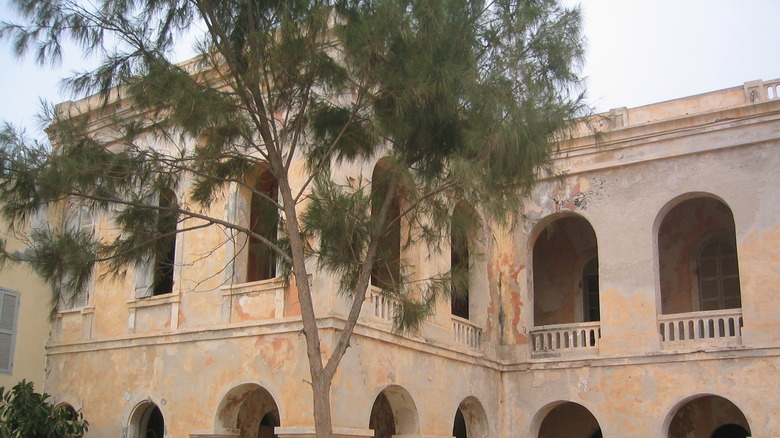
(24,323)
(636,298)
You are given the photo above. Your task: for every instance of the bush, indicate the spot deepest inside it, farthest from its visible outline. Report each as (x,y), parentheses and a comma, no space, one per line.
(26,414)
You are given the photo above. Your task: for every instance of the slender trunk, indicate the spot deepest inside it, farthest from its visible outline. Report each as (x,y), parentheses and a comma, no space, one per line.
(323,421)
(320,380)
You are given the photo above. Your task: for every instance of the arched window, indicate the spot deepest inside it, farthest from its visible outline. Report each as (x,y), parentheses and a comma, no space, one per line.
(264,222)
(718,275)
(386,272)
(165,247)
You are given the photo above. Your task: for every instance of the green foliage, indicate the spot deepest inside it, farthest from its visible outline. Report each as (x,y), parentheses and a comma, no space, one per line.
(463,98)
(25,413)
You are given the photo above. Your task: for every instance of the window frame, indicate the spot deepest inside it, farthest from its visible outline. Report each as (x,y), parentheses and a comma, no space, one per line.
(78,216)
(14,325)
(699,300)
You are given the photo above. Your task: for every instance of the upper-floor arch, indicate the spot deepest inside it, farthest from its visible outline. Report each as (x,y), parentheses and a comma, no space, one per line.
(696,253)
(564,259)
(386,272)
(464,252)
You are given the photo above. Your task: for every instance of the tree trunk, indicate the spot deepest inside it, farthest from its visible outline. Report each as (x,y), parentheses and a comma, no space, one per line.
(323,420)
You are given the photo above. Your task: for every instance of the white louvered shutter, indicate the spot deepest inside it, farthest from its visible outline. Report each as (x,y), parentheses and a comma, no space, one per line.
(9,312)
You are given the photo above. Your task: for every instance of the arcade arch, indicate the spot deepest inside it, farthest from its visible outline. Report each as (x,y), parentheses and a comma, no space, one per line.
(708,416)
(394,413)
(470,420)
(146,421)
(567,419)
(251,409)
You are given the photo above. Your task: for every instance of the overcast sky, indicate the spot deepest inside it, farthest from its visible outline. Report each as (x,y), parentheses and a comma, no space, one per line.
(638,52)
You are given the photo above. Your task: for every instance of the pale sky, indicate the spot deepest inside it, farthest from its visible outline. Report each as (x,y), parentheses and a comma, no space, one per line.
(638,52)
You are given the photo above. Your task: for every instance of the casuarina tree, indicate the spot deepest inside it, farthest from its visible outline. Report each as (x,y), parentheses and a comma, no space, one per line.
(463,99)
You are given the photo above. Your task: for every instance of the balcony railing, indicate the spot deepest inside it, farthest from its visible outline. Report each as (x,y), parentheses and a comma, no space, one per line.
(466,332)
(379,305)
(581,336)
(713,325)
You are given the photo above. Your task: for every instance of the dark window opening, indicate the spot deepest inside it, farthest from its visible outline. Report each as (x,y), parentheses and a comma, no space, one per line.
(386,271)
(165,248)
(460,263)
(264,222)
(590,290)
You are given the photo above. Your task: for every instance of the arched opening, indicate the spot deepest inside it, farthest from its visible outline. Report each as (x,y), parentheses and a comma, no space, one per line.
(263,222)
(565,273)
(393,413)
(147,421)
(709,416)
(571,420)
(386,272)
(697,255)
(464,221)
(470,420)
(165,247)
(251,409)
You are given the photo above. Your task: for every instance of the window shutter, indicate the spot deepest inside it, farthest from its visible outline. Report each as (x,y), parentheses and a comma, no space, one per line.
(9,311)
(78,217)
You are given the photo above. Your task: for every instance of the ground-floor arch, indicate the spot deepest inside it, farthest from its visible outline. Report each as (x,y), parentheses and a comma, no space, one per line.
(146,421)
(251,409)
(394,413)
(567,419)
(708,416)
(470,420)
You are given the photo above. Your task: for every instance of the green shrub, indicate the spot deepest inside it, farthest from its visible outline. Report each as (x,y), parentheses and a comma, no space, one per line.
(26,414)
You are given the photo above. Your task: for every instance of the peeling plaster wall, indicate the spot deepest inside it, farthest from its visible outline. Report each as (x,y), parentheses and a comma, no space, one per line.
(190,352)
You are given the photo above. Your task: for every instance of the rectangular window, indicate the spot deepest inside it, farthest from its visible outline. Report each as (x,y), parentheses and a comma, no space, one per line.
(9,313)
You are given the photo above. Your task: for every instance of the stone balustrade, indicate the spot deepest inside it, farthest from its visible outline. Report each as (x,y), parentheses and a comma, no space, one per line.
(772,89)
(380,305)
(466,332)
(713,325)
(580,336)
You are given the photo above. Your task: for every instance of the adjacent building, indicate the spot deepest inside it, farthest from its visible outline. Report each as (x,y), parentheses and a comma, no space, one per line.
(24,318)
(636,297)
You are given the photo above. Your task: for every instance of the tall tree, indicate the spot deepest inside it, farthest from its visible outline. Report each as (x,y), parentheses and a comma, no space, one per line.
(463,98)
